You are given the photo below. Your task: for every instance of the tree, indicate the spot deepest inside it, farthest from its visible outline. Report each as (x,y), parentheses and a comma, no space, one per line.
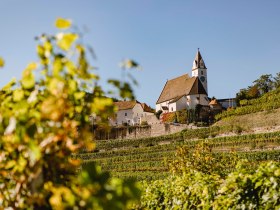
(44,123)
(253,92)
(241,95)
(276,80)
(264,83)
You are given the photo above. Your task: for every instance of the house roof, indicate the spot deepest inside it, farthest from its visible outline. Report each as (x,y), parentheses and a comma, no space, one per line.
(176,99)
(180,86)
(146,108)
(214,102)
(124,105)
(198,61)
(197,88)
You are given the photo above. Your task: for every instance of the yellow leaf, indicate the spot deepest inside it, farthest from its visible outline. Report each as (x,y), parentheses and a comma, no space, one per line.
(28,78)
(10,164)
(66,41)
(32,66)
(10,84)
(62,23)
(79,95)
(2,62)
(18,95)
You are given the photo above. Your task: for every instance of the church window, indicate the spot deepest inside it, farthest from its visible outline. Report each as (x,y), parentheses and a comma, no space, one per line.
(125,114)
(201,72)
(171,109)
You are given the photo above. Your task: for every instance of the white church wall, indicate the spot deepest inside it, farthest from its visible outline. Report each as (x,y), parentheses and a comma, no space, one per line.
(181,104)
(201,72)
(193,100)
(172,107)
(159,106)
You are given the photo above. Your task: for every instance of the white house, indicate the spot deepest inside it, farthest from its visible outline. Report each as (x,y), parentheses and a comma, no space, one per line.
(185,92)
(131,112)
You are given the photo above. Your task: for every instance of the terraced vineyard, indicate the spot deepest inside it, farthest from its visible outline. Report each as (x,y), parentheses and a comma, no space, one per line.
(146,158)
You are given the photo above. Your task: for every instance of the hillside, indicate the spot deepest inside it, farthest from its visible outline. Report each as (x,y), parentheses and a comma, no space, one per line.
(145,159)
(264,121)
(251,132)
(256,115)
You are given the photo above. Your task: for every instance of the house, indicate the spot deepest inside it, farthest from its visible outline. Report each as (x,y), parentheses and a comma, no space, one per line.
(130,112)
(147,110)
(185,92)
(215,106)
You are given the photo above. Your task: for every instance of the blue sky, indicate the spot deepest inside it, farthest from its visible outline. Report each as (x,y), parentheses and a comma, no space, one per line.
(239,40)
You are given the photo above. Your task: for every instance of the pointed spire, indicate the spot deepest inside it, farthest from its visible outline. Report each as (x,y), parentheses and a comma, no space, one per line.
(198,61)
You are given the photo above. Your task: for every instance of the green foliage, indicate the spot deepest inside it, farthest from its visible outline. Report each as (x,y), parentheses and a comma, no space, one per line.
(44,122)
(145,159)
(169,117)
(141,142)
(264,83)
(276,80)
(201,159)
(241,189)
(182,116)
(268,101)
(193,190)
(144,123)
(191,115)
(260,86)
(158,113)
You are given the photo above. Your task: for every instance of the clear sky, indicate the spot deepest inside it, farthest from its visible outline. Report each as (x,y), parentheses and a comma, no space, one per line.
(239,40)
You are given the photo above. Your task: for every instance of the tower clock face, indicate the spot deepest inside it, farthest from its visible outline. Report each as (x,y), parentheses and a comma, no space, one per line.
(202,78)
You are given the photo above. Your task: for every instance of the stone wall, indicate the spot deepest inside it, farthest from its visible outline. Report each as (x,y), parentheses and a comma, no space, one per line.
(155,129)
(124,132)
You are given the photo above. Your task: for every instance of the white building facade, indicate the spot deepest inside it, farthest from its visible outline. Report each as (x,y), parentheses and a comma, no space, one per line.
(130,113)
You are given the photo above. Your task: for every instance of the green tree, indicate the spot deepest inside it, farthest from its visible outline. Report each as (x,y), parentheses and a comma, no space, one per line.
(276,80)
(253,92)
(264,83)
(241,95)
(45,122)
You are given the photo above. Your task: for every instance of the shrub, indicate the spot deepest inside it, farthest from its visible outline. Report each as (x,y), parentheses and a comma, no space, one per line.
(240,189)
(44,122)
(144,123)
(169,117)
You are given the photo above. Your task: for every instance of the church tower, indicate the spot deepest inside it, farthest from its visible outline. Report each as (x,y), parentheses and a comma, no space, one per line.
(199,70)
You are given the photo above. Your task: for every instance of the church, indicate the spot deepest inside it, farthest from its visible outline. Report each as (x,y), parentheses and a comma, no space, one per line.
(185,92)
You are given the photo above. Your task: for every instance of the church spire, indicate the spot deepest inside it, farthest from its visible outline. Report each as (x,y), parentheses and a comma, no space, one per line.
(198,61)
(199,70)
